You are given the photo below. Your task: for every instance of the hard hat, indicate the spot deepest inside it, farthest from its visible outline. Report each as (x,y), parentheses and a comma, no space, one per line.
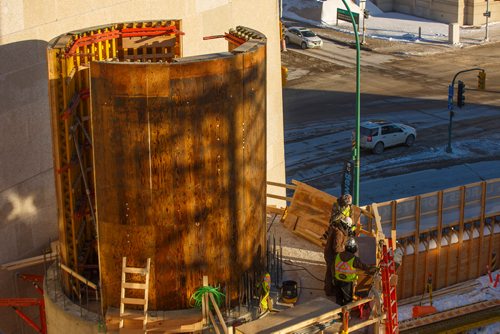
(351,246)
(346,199)
(267,278)
(347,221)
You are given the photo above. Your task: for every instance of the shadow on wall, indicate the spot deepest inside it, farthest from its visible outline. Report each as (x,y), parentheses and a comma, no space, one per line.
(27,195)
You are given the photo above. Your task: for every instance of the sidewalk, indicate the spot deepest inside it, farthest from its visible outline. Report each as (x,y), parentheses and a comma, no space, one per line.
(422,182)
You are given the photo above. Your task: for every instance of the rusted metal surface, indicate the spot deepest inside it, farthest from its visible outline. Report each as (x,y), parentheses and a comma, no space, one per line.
(180,171)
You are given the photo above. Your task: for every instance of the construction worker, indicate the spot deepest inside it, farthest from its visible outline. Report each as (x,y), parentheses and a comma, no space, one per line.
(337,238)
(344,272)
(340,209)
(266,303)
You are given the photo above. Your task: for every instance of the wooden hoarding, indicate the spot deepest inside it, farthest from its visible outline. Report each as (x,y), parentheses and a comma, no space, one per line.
(180,171)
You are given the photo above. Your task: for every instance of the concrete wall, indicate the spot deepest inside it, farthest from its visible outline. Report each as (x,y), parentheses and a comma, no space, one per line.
(384,5)
(446,11)
(474,9)
(62,314)
(27,196)
(465,12)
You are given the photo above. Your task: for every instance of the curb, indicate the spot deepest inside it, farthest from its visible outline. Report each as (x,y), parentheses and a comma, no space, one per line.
(350,44)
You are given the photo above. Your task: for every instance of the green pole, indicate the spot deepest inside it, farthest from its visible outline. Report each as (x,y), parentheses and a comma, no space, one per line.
(355,150)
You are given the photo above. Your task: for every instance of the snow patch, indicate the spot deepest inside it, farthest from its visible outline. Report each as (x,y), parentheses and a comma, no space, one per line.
(484,291)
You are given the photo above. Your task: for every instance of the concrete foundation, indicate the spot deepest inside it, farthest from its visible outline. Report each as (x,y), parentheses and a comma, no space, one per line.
(63,315)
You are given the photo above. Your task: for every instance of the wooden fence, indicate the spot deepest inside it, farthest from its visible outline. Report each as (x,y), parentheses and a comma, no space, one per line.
(455,231)
(451,235)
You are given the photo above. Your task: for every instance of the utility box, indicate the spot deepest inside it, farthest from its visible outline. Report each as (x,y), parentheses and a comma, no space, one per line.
(453,33)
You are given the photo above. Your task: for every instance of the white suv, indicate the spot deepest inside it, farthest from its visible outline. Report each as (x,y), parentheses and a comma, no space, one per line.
(303,37)
(377,135)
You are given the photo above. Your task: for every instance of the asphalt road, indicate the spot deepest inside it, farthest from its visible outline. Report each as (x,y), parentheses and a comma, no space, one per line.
(342,55)
(319,109)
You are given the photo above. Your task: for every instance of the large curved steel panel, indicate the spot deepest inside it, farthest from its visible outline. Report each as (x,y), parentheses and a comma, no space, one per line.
(180,171)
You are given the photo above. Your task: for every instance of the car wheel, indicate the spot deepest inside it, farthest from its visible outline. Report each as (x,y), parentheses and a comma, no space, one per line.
(303,45)
(287,40)
(379,148)
(410,140)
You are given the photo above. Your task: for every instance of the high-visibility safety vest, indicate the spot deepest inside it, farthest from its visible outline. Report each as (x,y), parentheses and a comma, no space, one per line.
(345,271)
(347,212)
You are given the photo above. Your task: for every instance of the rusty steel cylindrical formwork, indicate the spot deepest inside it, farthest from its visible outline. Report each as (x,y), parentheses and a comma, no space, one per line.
(179,155)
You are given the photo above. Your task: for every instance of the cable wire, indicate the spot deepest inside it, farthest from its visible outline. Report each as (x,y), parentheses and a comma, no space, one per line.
(303,268)
(197,297)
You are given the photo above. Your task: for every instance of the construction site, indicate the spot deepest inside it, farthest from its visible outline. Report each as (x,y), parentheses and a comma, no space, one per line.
(169,216)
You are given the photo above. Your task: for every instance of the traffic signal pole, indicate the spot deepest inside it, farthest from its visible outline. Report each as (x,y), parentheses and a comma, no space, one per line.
(451,89)
(355,150)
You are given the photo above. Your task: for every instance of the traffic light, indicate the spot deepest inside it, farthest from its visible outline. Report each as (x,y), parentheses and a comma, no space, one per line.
(481,80)
(460,94)
(366,14)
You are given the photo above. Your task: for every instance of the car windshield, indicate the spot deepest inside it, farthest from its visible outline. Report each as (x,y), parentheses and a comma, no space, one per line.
(307,33)
(368,132)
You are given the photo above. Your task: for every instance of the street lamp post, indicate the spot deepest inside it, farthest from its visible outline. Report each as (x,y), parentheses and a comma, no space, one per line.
(355,151)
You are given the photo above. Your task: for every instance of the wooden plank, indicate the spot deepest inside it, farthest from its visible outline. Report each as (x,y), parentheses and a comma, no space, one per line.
(379,232)
(312,207)
(448,314)
(129,285)
(204,303)
(402,273)
(460,232)
(286,198)
(416,244)
(219,315)
(470,251)
(133,301)
(275,210)
(438,241)
(177,321)
(314,238)
(300,316)
(78,276)
(481,230)
(394,215)
(132,270)
(426,262)
(212,319)
(283,185)
(447,261)
(365,324)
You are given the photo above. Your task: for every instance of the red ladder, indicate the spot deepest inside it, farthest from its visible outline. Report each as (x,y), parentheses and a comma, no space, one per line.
(390,298)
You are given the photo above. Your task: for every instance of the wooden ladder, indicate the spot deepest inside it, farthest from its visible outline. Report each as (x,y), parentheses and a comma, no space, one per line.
(135,286)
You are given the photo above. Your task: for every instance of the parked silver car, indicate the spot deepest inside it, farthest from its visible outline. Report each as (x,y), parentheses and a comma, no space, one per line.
(378,135)
(303,37)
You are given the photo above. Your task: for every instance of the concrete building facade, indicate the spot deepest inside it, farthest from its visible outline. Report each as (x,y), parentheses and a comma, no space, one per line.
(463,12)
(28,211)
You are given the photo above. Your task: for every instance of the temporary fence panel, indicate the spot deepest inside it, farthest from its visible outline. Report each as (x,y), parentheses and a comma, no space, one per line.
(449,235)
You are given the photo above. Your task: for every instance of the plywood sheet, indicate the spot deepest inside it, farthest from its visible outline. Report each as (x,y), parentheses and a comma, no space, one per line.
(180,171)
(310,210)
(280,321)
